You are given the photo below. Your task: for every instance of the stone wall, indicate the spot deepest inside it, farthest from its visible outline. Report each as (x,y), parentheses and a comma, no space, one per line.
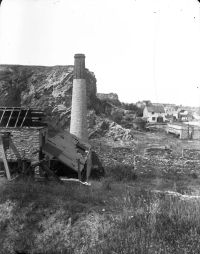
(196,133)
(171,166)
(162,161)
(191,154)
(26,140)
(186,133)
(111,156)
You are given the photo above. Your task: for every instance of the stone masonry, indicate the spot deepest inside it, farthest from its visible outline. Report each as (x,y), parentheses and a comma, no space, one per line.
(26,140)
(78,125)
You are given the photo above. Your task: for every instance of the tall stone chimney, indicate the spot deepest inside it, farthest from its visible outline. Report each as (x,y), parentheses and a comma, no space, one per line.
(78,125)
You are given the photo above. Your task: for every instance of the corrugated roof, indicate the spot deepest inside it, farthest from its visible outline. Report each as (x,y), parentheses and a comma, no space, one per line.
(156,108)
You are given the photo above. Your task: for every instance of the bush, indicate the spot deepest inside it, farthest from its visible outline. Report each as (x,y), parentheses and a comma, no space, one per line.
(117,116)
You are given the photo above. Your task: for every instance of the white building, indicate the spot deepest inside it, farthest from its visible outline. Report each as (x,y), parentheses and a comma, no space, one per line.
(172,110)
(154,113)
(183,115)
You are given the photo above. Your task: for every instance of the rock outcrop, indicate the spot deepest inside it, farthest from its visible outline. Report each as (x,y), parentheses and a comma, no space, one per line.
(45,88)
(111,97)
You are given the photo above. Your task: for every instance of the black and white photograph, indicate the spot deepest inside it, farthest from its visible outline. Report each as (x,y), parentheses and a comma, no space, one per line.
(99,127)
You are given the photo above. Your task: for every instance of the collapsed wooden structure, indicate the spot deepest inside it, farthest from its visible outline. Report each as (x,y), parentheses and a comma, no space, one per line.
(70,150)
(28,142)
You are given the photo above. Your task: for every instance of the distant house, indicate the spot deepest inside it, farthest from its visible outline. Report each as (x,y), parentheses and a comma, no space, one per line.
(171,112)
(154,113)
(183,115)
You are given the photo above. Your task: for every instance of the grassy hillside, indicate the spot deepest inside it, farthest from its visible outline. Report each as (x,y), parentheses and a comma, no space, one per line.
(107,217)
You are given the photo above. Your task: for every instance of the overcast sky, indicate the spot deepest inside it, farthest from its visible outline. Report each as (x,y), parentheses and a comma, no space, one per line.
(139,49)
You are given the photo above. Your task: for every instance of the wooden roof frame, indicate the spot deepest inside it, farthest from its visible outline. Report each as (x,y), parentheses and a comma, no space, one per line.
(17,117)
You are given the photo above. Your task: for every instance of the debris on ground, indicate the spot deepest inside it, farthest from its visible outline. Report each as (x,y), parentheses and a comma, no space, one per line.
(109,129)
(157,151)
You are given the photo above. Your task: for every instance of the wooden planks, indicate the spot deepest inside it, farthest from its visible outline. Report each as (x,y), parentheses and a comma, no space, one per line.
(4,158)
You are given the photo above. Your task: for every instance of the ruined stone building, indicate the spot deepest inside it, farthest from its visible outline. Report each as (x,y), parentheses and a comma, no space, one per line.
(22,133)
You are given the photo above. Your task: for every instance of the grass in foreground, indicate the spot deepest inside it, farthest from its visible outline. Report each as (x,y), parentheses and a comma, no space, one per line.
(71,218)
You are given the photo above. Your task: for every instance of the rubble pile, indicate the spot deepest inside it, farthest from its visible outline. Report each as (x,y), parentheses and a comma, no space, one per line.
(99,129)
(109,129)
(117,132)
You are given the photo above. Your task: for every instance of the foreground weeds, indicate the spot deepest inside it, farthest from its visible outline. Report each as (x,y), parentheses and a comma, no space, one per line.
(121,172)
(71,218)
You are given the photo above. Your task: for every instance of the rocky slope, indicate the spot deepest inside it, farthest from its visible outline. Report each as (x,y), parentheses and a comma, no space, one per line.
(50,89)
(46,88)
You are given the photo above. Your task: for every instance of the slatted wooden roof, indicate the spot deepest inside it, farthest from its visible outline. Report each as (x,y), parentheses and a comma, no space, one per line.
(21,117)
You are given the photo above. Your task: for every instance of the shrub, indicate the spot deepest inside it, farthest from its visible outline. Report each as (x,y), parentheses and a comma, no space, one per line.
(117,116)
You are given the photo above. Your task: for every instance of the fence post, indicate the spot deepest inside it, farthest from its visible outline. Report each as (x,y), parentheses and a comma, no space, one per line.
(79,172)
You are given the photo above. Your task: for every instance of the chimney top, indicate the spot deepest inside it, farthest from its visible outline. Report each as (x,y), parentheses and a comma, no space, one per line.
(79,66)
(79,56)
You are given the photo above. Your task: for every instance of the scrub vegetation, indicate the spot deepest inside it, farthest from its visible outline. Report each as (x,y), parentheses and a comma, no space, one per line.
(107,217)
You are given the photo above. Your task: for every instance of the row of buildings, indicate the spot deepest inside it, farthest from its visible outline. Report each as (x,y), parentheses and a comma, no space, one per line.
(159,113)
(182,122)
